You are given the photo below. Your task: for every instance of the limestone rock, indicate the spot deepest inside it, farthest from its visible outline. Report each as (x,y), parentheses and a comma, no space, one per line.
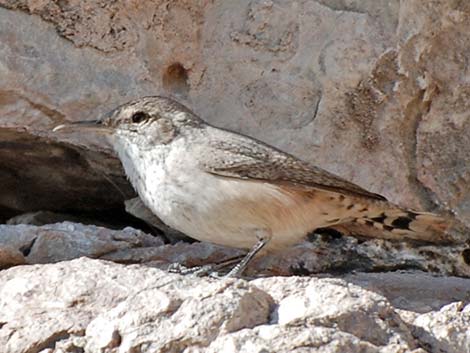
(375,91)
(413,290)
(38,173)
(446,330)
(188,255)
(365,315)
(353,86)
(10,256)
(41,218)
(177,317)
(282,339)
(347,254)
(65,241)
(121,307)
(137,208)
(95,306)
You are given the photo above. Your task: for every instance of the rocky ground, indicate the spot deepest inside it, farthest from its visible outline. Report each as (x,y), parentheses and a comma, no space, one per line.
(375,91)
(89,305)
(125,300)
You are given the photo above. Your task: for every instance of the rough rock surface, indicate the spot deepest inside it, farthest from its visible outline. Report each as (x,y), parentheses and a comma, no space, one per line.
(65,241)
(373,90)
(354,86)
(96,306)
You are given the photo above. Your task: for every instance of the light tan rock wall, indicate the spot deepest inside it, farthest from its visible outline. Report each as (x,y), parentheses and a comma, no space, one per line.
(375,91)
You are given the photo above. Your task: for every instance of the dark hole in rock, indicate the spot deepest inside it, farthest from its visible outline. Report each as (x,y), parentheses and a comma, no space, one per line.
(466,256)
(326,234)
(175,79)
(300,269)
(116,339)
(429,254)
(116,218)
(37,173)
(73,183)
(27,248)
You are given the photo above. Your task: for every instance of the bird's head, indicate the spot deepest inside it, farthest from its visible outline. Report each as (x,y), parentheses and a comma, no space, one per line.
(148,121)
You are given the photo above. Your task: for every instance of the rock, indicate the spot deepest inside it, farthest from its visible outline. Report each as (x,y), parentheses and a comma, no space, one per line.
(94,306)
(58,176)
(130,307)
(354,86)
(174,318)
(188,255)
(276,338)
(10,256)
(346,254)
(446,330)
(137,208)
(413,291)
(365,315)
(41,218)
(65,241)
(319,255)
(375,91)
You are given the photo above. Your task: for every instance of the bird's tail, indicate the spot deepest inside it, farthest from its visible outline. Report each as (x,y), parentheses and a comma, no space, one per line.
(398,224)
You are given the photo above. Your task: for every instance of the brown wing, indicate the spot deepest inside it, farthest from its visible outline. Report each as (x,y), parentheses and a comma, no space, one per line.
(242,157)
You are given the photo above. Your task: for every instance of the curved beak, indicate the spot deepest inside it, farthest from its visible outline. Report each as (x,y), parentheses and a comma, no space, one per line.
(88,125)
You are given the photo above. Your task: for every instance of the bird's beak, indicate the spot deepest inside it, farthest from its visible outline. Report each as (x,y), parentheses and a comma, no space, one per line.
(88,125)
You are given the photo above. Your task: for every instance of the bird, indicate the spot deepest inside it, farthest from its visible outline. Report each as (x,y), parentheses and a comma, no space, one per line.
(226,188)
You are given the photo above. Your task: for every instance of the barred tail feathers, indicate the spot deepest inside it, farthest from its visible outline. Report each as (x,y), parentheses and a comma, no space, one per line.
(397,223)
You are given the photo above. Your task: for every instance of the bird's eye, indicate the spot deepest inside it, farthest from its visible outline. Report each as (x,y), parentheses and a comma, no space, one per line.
(138,117)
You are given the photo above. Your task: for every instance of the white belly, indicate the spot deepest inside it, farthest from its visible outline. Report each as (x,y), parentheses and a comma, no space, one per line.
(230,212)
(225,211)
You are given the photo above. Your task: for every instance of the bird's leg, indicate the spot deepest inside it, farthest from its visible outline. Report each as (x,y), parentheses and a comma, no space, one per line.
(241,266)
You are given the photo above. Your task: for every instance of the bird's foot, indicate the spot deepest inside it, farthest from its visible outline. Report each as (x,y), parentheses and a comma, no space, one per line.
(210,270)
(198,271)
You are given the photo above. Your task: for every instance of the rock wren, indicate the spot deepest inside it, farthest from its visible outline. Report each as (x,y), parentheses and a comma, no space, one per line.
(222,187)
